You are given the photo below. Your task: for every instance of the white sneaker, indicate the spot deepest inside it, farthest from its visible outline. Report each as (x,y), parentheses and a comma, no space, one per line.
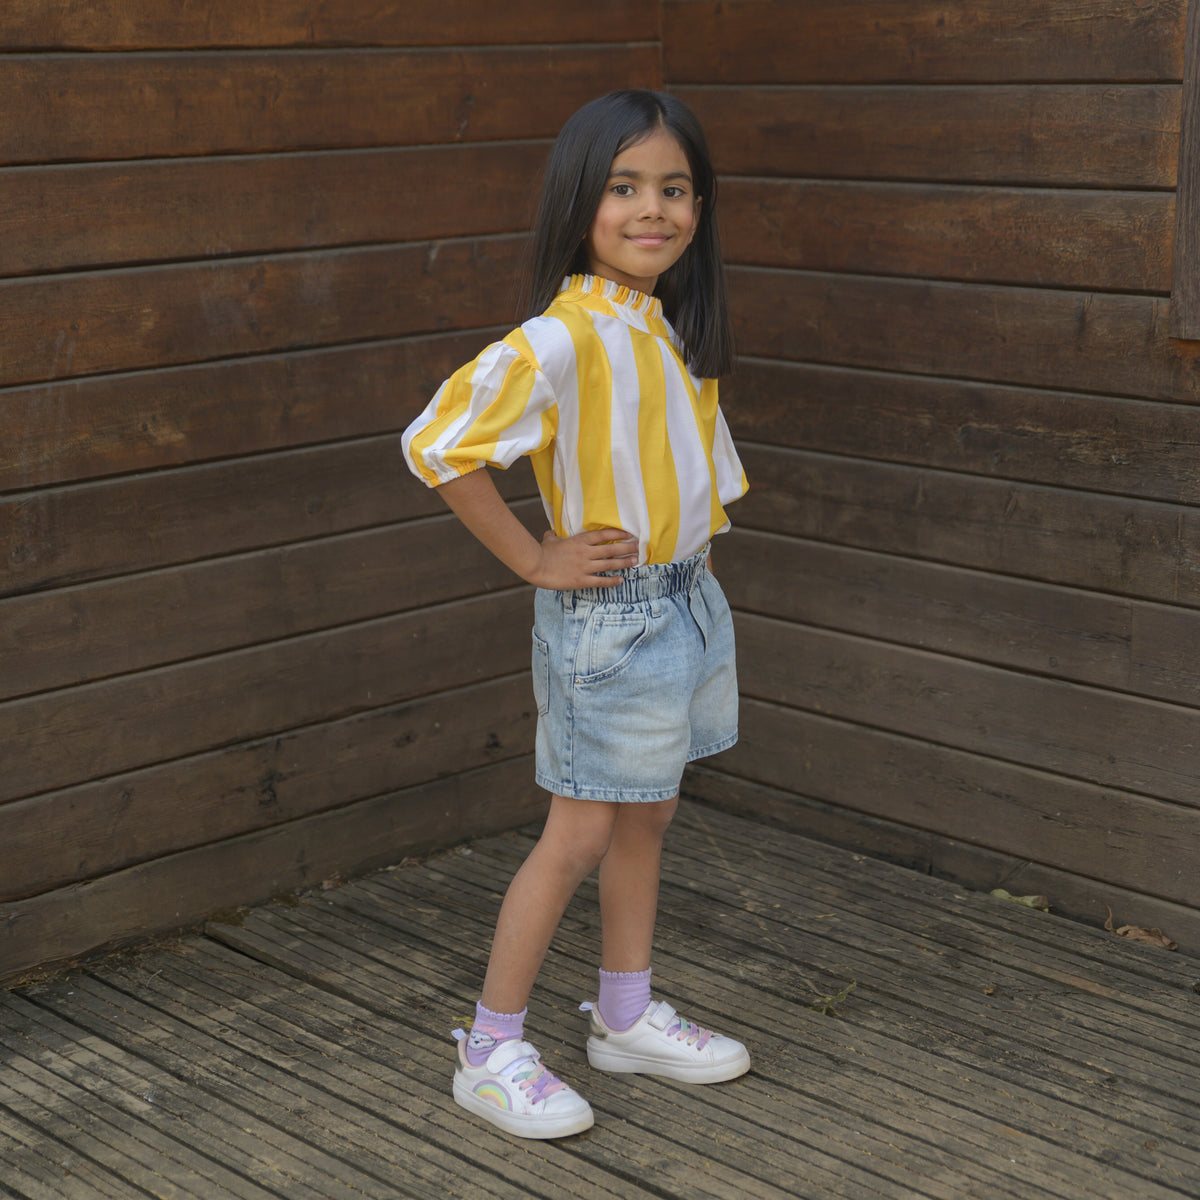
(661,1042)
(516,1093)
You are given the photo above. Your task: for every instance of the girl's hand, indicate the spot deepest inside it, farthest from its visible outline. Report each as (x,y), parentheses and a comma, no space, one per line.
(567,564)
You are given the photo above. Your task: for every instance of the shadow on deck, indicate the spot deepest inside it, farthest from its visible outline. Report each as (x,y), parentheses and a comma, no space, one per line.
(985,1050)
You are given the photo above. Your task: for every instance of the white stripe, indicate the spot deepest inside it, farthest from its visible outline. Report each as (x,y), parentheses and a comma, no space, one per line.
(551,341)
(634,516)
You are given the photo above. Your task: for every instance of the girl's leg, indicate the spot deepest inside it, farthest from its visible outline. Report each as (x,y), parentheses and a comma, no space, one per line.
(629,1033)
(576,837)
(629,875)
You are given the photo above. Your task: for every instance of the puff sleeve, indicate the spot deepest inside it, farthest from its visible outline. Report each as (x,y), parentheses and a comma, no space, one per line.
(490,411)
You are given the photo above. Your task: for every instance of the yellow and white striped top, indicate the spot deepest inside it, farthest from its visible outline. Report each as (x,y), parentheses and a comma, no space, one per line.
(597,393)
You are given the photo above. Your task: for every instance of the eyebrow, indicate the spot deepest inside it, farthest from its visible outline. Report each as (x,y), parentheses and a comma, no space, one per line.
(629,173)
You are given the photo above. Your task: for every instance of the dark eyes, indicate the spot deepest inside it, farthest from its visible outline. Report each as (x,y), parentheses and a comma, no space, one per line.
(672,191)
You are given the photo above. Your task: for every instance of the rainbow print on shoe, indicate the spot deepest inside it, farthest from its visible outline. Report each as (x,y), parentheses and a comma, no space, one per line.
(515,1092)
(492,1092)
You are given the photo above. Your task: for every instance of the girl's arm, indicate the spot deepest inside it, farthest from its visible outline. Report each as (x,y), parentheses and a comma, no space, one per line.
(559,563)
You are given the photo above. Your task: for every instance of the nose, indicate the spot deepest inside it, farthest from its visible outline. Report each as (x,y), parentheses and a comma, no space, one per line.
(652,205)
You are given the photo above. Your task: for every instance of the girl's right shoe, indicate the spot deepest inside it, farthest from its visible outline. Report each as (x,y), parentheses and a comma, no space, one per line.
(515,1092)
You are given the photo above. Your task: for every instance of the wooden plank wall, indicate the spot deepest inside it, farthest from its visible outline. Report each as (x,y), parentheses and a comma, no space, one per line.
(968,571)
(240,648)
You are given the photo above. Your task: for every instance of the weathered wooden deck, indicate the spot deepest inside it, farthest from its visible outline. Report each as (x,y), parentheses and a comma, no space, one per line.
(986,1050)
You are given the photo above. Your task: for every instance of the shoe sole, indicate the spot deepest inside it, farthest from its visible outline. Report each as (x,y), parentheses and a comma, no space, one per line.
(539,1128)
(606,1059)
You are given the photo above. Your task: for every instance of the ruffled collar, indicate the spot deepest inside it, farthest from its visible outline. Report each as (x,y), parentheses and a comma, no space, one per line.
(615,294)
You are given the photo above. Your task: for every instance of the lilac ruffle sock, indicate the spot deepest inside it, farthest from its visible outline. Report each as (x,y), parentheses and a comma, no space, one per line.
(624,996)
(489,1030)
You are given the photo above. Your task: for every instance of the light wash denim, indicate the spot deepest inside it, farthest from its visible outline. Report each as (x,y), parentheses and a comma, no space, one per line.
(633,681)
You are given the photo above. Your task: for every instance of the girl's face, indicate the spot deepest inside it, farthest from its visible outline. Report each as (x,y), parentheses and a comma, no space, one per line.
(647,215)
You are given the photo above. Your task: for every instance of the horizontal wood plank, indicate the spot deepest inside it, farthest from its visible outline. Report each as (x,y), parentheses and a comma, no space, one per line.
(1082,341)
(62,838)
(1116,837)
(96,215)
(98,107)
(149,24)
(134,721)
(885,41)
(1094,135)
(183,889)
(60,536)
(932,854)
(117,424)
(1081,636)
(1110,740)
(69,636)
(1067,439)
(1110,241)
(70,325)
(1106,543)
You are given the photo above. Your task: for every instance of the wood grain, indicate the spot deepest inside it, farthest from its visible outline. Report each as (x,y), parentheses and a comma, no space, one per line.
(1097,135)
(57,839)
(98,215)
(227,699)
(1110,344)
(61,536)
(931,854)
(891,41)
(1185,298)
(1108,241)
(1078,539)
(80,429)
(183,889)
(72,325)
(149,24)
(1101,833)
(1067,439)
(99,107)
(1104,738)
(1071,634)
(69,636)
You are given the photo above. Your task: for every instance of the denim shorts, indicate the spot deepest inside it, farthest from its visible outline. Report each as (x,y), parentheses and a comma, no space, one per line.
(633,681)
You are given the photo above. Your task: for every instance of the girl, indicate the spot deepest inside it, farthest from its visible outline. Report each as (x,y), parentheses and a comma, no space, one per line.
(610,387)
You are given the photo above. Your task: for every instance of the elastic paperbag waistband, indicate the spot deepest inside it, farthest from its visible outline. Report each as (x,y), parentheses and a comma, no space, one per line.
(649,582)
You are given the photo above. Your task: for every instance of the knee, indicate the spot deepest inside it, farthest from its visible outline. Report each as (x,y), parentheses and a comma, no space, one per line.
(664,814)
(651,820)
(578,845)
(589,852)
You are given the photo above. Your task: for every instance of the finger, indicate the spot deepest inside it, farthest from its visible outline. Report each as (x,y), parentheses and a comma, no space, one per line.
(600,537)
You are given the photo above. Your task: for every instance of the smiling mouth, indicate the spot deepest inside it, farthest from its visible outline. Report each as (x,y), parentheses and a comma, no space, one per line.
(649,239)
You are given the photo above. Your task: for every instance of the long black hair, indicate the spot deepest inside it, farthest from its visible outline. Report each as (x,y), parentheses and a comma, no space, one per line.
(692,290)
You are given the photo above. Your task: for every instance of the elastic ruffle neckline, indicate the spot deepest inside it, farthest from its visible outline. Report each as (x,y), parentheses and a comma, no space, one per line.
(615,293)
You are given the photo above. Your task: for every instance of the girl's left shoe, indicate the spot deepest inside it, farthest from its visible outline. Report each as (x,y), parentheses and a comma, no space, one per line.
(663,1043)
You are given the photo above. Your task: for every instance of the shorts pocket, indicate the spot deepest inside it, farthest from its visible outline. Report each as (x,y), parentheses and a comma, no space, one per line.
(541,675)
(609,644)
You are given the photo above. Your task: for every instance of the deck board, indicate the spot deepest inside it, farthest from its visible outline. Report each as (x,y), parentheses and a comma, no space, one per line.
(986,1050)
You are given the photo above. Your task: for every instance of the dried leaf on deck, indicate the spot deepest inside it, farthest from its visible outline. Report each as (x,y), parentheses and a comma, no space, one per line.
(1135,933)
(827,1005)
(1039,902)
